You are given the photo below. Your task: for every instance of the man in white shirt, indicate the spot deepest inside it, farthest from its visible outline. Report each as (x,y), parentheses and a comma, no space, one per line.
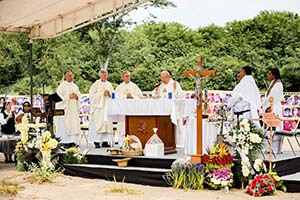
(99,93)
(126,90)
(246,91)
(68,126)
(168,85)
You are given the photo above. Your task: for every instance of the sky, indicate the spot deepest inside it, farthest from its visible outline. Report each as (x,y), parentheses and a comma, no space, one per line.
(199,13)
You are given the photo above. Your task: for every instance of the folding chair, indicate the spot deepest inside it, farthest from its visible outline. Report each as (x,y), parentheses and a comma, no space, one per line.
(289,134)
(84,134)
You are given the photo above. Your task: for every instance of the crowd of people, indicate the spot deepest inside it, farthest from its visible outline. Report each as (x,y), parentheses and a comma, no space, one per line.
(245,99)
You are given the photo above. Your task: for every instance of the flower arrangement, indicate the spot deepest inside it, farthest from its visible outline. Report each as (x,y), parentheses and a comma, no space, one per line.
(185,175)
(218,157)
(264,183)
(73,156)
(218,162)
(246,140)
(35,149)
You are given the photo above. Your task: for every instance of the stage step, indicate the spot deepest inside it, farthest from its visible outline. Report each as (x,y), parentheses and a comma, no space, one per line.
(138,161)
(292,182)
(139,175)
(286,164)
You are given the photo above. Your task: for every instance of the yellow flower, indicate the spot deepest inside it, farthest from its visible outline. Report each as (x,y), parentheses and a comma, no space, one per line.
(46,147)
(24,136)
(72,150)
(24,120)
(46,136)
(53,143)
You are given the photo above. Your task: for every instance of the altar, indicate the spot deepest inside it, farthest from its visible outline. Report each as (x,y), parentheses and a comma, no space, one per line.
(142,115)
(179,112)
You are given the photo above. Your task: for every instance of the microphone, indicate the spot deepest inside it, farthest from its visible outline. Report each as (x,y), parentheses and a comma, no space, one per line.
(157,85)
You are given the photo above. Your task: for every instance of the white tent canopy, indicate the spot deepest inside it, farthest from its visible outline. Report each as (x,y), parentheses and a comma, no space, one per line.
(51,18)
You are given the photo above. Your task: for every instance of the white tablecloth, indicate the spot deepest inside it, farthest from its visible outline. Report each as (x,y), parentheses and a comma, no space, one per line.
(209,136)
(117,109)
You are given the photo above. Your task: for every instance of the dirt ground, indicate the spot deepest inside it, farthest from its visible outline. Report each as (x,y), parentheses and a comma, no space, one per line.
(67,187)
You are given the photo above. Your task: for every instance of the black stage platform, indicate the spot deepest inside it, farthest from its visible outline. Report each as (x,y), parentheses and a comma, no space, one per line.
(150,171)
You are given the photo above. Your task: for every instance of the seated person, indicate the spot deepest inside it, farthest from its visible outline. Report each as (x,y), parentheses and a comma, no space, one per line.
(7,121)
(26,110)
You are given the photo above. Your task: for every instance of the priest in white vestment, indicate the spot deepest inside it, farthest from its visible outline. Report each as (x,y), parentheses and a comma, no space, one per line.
(275,90)
(126,90)
(99,93)
(168,85)
(68,126)
(246,92)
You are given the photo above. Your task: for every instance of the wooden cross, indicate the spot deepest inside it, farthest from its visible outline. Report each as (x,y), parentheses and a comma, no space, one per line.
(198,73)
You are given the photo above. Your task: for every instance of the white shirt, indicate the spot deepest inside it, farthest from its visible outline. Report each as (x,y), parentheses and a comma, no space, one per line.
(2,119)
(247,90)
(277,94)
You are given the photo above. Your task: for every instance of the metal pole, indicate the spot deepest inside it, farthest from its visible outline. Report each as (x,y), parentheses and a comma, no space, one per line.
(30,70)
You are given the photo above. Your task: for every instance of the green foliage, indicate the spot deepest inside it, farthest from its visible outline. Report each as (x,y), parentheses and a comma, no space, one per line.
(72,156)
(42,174)
(271,39)
(185,175)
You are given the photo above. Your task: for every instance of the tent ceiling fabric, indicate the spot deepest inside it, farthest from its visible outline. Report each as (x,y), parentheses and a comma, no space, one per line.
(51,18)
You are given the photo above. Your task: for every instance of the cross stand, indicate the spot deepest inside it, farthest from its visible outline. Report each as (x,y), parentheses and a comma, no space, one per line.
(272,121)
(198,74)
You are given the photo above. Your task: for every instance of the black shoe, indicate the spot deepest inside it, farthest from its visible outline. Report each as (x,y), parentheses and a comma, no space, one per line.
(6,161)
(105,144)
(11,161)
(97,145)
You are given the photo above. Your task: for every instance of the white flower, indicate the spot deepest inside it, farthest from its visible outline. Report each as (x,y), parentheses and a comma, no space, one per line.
(53,143)
(259,164)
(224,183)
(31,145)
(245,125)
(245,150)
(245,170)
(254,138)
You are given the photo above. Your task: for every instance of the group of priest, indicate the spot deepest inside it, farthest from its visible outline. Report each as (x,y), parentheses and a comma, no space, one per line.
(68,126)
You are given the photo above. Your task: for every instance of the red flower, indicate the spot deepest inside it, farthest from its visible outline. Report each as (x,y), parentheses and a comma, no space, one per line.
(258,177)
(269,188)
(250,192)
(253,185)
(266,176)
(262,183)
(261,191)
(256,194)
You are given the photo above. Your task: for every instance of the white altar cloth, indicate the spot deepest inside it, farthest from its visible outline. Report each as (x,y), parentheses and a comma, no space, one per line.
(117,109)
(177,109)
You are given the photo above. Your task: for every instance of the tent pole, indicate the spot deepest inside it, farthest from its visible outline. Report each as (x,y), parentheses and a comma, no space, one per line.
(30,70)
